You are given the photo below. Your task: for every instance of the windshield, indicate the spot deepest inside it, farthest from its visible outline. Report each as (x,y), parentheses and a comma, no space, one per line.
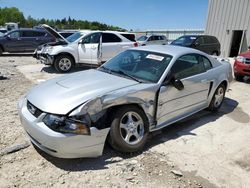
(140,65)
(74,37)
(184,41)
(142,38)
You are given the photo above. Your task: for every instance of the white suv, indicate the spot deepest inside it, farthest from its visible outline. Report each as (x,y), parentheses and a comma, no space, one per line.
(152,40)
(89,47)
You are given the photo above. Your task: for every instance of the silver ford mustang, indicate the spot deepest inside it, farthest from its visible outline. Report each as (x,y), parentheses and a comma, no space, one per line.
(136,92)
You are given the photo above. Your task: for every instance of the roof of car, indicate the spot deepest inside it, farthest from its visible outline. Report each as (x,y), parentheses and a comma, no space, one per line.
(197,36)
(29,29)
(168,49)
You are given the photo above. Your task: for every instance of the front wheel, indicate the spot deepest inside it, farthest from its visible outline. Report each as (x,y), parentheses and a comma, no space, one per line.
(129,129)
(64,63)
(218,98)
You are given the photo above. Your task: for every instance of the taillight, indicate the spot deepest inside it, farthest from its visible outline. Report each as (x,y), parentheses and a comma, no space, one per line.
(135,44)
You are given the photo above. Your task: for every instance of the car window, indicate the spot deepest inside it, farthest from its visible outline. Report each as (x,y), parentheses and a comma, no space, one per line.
(186,66)
(143,65)
(200,40)
(184,40)
(74,37)
(109,37)
(38,33)
(15,34)
(151,38)
(27,34)
(208,40)
(130,37)
(206,62)
(142,38)
(92,38)
(213,39)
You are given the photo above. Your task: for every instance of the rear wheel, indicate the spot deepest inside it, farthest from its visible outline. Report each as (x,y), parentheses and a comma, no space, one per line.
(218,98)
(129,129)
(64,63)
(239,77)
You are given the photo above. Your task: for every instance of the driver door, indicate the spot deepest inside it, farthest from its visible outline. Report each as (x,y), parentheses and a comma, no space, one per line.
(174,104)
(89,48)
(15,43)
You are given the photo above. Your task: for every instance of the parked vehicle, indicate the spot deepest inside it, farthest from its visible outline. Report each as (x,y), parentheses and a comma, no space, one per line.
(206,43)
(23,40)
(3,30)
(89,47)
(152,40)
(242,65)
(138,91)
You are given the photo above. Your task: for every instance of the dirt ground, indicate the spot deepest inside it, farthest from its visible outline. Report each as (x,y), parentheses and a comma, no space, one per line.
(206,150)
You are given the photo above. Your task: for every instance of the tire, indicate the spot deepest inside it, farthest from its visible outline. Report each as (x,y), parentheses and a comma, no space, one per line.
(64,63)
(238,77)
(218,98)
(129,129)
(1,50)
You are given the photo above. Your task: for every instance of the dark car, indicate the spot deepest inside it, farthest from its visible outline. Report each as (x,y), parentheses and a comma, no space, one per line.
(24,40)
(206,43)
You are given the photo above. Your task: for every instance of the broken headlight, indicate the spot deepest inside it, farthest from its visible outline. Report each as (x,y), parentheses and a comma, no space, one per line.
(63,124)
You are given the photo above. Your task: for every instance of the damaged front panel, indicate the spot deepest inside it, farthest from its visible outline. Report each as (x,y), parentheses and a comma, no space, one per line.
(99,108)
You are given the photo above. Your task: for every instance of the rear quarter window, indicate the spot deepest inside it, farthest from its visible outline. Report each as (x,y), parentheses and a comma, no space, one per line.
(110,37)
(130,37)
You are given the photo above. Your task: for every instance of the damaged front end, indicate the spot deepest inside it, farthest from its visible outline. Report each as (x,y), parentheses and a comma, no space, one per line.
(101,109)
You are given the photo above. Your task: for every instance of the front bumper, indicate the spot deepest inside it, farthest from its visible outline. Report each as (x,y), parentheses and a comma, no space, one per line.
(44,58)
(59,144)
(241,69)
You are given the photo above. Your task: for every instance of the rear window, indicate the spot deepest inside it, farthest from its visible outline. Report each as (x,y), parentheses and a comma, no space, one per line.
(130,37)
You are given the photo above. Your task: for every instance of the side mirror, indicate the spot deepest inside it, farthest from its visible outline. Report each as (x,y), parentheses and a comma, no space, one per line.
(176,83)
(7,36)
(80,42)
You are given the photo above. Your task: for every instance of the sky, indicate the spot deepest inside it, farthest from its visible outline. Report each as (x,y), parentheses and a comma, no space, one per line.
(128,14)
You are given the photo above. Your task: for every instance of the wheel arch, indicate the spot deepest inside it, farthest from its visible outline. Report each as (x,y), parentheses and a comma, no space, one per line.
(106,117)
(65,53)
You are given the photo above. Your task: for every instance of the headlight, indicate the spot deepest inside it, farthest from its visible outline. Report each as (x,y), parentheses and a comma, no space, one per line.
(75,125)
(240,59)
(48,49)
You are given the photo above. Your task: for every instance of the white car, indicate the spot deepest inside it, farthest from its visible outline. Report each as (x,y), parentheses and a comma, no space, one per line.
(89,47)
(152,40)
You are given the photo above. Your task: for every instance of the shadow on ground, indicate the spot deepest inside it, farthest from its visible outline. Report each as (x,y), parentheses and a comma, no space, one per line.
(79,67)
(176,130)
(16,54)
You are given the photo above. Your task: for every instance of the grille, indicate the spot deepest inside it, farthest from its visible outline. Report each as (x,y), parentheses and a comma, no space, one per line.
(247,60)
(34,110)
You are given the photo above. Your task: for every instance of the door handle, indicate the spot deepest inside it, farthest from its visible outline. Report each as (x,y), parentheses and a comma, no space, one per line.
(93,47)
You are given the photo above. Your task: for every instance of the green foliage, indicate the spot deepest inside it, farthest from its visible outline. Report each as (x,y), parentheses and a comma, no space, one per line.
(14,15)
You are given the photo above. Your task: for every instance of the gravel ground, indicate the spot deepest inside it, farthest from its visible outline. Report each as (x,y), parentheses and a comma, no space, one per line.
(29,167)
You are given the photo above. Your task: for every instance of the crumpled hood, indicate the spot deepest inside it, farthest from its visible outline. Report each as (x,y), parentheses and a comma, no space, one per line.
(63,94)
